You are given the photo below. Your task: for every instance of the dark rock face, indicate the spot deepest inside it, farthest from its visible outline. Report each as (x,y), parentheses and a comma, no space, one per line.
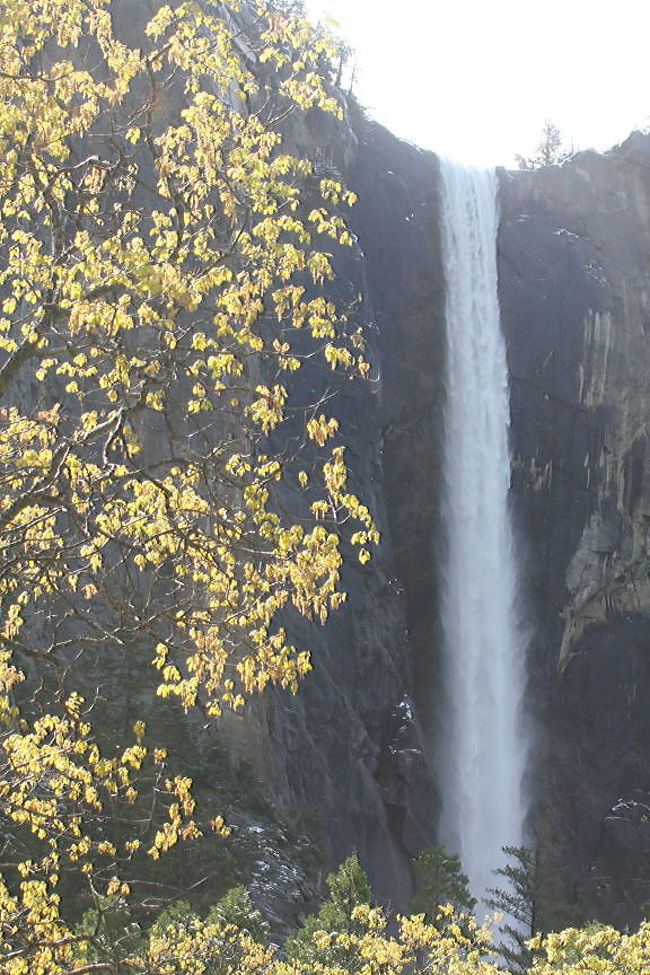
(574,278)
(397,219)
(350,745)
(574,263)
(356,743)
(351,742)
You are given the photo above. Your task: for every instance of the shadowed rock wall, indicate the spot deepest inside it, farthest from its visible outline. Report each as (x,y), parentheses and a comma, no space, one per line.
(575,298)
(574,260)
(350,744)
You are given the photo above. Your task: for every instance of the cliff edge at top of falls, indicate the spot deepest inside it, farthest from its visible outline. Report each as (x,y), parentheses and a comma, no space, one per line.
(575,300)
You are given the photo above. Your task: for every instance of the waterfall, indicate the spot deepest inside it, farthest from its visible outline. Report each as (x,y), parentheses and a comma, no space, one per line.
(483,748)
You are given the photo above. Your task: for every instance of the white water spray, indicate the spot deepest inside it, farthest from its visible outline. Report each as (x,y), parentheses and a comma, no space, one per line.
(483,751)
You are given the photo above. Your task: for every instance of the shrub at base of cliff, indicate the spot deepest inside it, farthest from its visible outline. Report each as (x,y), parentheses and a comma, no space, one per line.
(594,948)
(183,944)
(233,937)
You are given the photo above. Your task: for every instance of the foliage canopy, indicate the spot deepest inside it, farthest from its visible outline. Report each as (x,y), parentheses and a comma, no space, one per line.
(161,272)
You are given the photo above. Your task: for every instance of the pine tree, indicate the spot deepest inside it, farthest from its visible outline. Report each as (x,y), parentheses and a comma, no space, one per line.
(439,880)
(533,902)
(348,888)
(236,907)
(549,152)
(518,903)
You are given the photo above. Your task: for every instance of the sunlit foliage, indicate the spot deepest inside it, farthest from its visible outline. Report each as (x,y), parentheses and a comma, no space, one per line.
(348,888)
(162,258)
(183,942)
(596,948)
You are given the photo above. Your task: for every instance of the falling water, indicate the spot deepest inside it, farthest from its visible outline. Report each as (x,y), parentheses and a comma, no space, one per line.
(483,746)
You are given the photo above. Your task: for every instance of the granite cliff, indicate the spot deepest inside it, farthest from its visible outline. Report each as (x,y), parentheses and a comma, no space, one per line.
(575,263)
(574,259)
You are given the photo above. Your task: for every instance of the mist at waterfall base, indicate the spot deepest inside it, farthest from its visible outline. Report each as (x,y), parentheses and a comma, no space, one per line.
(482,750)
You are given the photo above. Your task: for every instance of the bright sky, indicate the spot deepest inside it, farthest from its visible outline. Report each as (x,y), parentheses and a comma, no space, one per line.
(476,79)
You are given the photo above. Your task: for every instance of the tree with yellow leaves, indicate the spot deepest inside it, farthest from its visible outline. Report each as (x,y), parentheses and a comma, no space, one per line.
(182,942)
(162,267)
(597,948)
